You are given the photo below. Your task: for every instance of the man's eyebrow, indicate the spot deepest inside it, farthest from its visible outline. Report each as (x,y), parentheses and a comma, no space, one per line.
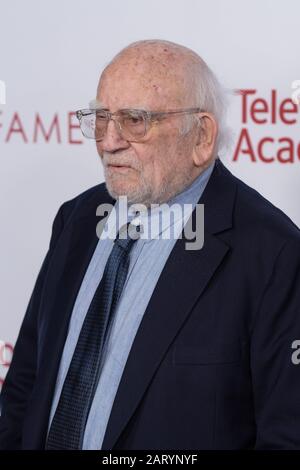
(138,108)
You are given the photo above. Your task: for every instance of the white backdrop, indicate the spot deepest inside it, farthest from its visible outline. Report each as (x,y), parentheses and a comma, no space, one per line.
(50,59)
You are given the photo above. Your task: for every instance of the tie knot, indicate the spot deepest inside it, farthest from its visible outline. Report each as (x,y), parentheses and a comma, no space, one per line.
(127,235)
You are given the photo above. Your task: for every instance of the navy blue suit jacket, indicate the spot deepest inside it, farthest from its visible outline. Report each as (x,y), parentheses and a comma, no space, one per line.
(211,365)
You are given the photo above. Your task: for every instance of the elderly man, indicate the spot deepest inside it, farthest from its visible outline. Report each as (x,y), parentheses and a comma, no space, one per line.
(136,342)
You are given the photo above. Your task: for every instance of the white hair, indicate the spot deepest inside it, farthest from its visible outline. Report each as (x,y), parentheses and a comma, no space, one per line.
(212,97)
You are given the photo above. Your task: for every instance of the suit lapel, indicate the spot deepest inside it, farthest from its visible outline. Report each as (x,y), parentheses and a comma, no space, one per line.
(182,281)
(72,258)
(73,253)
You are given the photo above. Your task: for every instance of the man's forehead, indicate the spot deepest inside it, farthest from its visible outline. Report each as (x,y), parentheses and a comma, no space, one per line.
(98,104)
(133,88)
(146,70)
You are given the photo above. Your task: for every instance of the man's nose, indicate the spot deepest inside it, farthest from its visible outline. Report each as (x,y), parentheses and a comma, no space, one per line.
(113,140)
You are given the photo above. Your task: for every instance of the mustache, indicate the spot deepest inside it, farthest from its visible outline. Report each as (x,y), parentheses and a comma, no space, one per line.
(120,160)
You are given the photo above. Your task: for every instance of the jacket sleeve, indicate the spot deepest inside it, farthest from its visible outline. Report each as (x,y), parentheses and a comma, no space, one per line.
(275,373)
(20,378)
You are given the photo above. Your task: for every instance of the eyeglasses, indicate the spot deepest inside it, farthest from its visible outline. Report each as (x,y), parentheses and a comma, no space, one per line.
(132,124)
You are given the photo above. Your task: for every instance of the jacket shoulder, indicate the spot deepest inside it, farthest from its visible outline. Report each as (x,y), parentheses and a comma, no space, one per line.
(90,197)
(256,214)
(260,212)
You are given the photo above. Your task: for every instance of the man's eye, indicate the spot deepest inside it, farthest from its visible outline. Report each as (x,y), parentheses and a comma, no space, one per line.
(134,119)
(101,116)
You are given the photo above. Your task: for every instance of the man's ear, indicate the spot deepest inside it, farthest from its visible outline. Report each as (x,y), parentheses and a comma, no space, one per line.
(206,136)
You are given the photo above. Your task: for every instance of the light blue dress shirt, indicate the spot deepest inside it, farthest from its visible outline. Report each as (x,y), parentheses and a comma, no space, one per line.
(147,260)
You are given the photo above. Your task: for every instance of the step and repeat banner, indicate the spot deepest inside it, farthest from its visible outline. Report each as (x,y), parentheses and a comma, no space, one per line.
(51,55)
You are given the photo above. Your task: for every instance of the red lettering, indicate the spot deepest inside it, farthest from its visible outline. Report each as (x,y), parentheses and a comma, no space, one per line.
(284,109)
(244,136)
(255,109)
(273,106)
(261,143)
(18,129)
(39,125)
(244,94)
(72,126)
(289,149)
